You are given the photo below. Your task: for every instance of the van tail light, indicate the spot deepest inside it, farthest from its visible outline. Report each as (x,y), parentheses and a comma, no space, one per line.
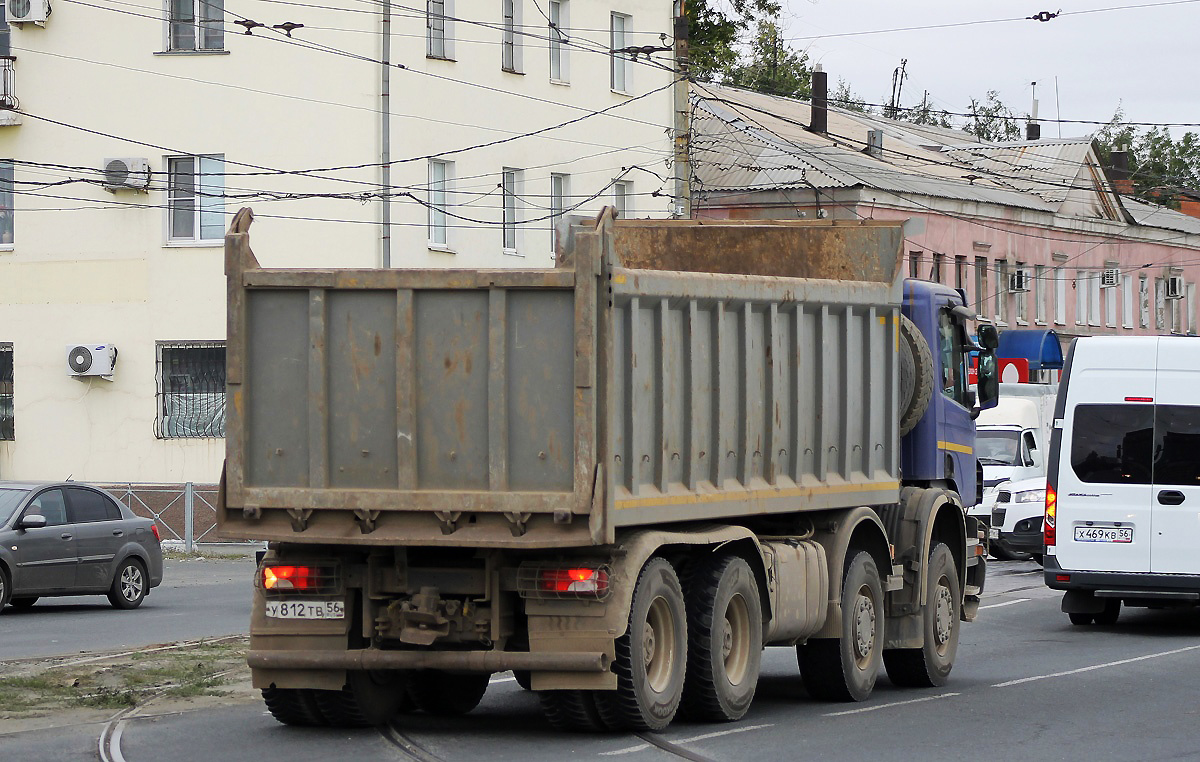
(1051,510)
(290,577)
(154,529)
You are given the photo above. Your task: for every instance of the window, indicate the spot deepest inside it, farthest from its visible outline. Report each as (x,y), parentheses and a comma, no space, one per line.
(51,505)
(560,190)
(1127,299)
(439,37)
(439,199)
(87,505)
(195,24)
(1160,303)
(980,284)
(191,390)
(1021,298)
(559,20)
(1176,439)
(7,411)
(1111,444)
(1001,291)
(1143,302)
(1039,294)
(510,44)
(914,264)
(935,270)
(6,201)
(1060,296)
(1191,309)
(1081,297)
(510,186)
(5,32)
(1093,285)
(620,61)
(622,198)
(195,203)
(960,274)
(1110,306)
(951,342)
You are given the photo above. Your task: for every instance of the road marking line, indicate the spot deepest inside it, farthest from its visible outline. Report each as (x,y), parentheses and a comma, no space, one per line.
(894,703)
(1095,666)
(1006,603)
(692,739)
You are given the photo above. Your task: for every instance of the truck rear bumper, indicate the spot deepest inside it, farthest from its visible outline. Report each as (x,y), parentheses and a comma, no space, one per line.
(461,661)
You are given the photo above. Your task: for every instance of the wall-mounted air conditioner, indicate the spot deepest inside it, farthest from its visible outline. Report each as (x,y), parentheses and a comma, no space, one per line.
(1018,282)
(22,11)
(126,174)
(91,359)
(1175,287)
(1110,277)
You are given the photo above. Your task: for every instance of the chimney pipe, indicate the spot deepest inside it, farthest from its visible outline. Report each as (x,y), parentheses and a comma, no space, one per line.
(820,101)
(1118,171)
(1033,131)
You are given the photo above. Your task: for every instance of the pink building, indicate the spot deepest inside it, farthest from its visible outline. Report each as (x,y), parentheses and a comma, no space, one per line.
(1035,232)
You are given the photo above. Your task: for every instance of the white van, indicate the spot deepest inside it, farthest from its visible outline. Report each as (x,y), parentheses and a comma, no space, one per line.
(1122,519)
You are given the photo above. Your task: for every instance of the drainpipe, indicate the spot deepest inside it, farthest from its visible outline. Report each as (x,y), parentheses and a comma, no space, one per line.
(683,169)
(385,143)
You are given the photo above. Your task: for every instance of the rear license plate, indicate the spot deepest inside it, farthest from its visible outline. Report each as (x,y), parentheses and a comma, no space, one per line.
(308,609)
(1103,534)
(993,533)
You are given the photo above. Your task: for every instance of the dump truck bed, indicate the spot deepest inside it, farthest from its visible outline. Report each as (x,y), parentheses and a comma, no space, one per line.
(663,372)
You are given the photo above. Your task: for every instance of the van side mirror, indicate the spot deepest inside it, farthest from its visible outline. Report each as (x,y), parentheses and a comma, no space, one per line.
(32,521)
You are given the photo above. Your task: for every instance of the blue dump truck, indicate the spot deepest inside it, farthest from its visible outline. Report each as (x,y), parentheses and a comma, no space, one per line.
(620,478)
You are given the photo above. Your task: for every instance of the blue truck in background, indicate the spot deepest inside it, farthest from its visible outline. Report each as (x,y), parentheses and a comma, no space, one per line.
(620,478)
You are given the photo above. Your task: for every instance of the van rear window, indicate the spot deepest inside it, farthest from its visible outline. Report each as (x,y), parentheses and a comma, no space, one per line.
(1177,444)
(1112,444)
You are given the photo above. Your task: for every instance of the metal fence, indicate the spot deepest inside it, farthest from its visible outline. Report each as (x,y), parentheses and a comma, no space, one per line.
(183,512)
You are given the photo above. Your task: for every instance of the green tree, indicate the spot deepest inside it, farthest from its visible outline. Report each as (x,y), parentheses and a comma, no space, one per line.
(772,67)
(843,97)
(713,29)
(992,120)
(1160,166)
(925,114)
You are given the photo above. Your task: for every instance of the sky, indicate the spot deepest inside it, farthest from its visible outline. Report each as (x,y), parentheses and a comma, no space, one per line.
(1140,56)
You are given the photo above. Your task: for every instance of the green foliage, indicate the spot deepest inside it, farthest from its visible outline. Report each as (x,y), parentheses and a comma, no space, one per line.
(992,120)
(772,67)
(926,114)
(843,97)
(713,29)
(1160,166)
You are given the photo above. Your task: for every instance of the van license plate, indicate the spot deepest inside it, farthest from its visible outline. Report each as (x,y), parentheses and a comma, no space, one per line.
(1103,534)
(306,609)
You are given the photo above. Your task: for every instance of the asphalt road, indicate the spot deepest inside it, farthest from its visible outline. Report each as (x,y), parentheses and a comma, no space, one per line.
(1027,684)
(197,598)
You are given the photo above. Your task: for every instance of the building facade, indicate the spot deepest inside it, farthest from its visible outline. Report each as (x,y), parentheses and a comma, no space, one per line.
(361,134)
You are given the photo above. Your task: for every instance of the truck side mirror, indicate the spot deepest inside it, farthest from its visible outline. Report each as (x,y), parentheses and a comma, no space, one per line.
(988,338)
(989,376)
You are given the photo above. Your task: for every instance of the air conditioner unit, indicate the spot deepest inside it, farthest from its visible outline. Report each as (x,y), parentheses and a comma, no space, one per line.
(21,11)
(1110,278)
(126,174)
(91,359)
(1018,282)
(1175,287)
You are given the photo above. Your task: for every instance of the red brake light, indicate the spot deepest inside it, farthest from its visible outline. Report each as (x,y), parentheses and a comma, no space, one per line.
(1139,399)
(154,528)
(593,581)
(1051,513)
(290,577)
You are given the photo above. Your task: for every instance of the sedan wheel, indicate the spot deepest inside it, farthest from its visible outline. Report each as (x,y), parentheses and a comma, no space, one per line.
(129,585)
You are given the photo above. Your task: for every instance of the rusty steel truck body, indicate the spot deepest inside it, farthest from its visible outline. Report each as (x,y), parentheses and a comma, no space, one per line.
(619,478)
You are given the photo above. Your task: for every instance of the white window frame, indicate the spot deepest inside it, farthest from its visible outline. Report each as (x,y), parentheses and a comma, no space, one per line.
(621,69)
(560,191)
(207,26)
(1001,291)
(1021,298)
(441,177)
(1160,304)
(622,198)
(206,199)
(1039,294)
(560,59)
(511,181)
(1143,301)
(981,268)
(1094,291)
(510,39)
(1191,309)
(1110,306)
(1081,297)
(1127,301)
(1060,296)
(439,29)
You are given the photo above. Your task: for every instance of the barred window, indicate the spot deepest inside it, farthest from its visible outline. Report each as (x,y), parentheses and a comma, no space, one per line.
(7,413)
(191,390)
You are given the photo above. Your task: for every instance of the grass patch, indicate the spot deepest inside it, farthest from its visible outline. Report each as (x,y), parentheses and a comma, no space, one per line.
(199,669)
(181,555)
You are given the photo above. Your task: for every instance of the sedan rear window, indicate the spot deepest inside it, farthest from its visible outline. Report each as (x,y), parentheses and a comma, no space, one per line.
(1112,444)
(9,499)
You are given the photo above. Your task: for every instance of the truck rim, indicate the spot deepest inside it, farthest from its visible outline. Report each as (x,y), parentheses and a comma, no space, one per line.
(943,616)
(735,640)
(864,626)
(658,643)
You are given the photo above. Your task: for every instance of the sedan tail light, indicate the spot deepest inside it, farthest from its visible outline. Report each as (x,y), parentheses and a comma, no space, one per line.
(154,529)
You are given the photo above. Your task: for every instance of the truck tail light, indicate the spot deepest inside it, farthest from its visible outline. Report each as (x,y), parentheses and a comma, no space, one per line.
(1051,511)
(290,577)
(547,581)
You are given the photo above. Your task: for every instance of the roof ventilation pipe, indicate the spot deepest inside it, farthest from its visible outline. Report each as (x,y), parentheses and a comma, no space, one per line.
(875,143)
(1033,131)
(820,101)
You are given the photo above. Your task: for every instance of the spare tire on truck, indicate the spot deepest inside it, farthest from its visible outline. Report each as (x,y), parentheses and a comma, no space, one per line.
(916,375)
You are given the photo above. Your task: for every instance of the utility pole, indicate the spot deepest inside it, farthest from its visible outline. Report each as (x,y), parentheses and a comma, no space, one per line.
(682,121)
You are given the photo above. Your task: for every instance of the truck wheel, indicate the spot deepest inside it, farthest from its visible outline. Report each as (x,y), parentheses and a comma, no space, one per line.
(370,697)
(293,706)
(916,375)
(929,666)
(447,693)
(651,655)
(128,588)
(844,669)
(724,640)
(1108,617)
(572,710)
(1079,618)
